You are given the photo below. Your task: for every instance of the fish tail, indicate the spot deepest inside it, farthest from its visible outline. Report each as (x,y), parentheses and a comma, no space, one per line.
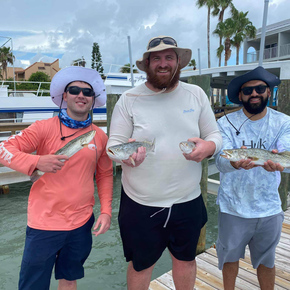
(36,175)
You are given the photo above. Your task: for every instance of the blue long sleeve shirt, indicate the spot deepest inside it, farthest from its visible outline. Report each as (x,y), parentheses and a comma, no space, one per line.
(251,193)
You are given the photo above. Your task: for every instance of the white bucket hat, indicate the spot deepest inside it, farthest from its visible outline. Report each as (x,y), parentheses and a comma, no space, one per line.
(165,42)
(77,73)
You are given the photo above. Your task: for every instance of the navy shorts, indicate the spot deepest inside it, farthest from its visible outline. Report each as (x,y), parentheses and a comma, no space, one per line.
(67,250)
(147,231)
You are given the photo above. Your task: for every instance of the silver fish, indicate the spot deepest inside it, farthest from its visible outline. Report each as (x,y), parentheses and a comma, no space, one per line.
(125,150)
(258,156)
(186,146)
(69,150)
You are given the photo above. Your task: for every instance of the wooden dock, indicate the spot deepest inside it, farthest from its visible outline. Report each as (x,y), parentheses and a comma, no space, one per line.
(210,277)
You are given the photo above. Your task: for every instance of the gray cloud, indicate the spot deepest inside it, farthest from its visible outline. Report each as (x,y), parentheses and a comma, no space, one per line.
(71,27)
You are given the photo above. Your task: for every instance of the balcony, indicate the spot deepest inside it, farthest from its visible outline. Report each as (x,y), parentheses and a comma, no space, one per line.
(270,54)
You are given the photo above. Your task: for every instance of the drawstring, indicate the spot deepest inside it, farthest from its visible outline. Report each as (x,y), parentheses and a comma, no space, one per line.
(168,216)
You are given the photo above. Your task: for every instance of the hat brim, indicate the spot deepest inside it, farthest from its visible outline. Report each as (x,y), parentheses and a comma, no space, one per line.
(77,73)
(258,73)
(184,55)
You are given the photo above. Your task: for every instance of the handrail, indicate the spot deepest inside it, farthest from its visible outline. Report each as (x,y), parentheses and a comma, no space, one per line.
(14,127)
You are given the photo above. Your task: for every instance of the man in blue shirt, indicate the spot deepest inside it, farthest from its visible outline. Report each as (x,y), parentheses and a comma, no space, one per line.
(248,198)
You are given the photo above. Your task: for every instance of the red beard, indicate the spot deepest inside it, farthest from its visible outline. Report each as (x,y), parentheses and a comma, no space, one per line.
(161,82)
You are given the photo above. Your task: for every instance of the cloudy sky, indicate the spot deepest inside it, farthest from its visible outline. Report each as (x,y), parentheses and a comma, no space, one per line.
(67,29)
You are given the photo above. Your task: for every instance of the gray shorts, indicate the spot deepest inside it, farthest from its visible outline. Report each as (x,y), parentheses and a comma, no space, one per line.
(261,234)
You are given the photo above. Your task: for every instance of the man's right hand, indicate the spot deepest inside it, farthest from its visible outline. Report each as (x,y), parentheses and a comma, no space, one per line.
(51,163)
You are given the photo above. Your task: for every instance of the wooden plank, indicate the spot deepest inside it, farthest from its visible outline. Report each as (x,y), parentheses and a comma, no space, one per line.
(156,285)
(167,280)
(208,275)
(214,272)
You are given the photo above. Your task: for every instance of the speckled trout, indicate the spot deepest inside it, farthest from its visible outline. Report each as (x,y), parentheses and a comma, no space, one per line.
(124,151)
(71,148)
(258,156)
(186,146)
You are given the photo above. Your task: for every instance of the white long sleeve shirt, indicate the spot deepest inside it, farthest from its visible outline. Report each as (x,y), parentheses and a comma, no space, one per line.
(165,177)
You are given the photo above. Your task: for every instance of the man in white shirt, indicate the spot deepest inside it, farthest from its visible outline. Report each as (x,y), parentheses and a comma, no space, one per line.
(161,204)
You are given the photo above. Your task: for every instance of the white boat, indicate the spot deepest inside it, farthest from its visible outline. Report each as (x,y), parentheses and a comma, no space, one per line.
(29,106)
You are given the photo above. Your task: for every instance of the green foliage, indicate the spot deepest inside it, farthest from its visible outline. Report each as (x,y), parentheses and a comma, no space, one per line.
(97,59)
(39,77)
(126,68)
(35,77)
(233,31)
(6,57)
(193,64)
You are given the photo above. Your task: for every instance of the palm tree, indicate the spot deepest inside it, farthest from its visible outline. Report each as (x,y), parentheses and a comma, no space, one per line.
(243,28)
(219,10)
(6,57)
(126,68)
(225,30)
(210,5)
(193,64)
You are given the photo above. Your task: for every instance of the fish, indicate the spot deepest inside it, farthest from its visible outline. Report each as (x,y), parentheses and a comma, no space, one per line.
(258,156)
(71,148)
(187,146)
(125,150)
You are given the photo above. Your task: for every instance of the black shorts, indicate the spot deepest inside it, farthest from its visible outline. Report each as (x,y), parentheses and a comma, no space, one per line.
(147,231)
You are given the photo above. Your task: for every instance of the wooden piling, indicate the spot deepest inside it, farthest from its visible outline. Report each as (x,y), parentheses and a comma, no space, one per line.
(111,102)
(4,189)
(284,107)
(204,83)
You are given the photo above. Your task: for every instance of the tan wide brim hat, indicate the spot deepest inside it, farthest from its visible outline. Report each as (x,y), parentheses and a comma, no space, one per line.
(77,73)
(184,54)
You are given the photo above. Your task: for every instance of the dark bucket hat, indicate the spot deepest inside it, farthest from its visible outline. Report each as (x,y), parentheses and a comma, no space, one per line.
(258,73)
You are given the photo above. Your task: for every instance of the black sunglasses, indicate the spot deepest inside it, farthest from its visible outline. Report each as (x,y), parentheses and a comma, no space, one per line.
(259,90)
(166,40)
(75,90)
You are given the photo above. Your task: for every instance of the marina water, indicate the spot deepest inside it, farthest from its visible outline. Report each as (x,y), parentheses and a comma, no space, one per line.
(106,266)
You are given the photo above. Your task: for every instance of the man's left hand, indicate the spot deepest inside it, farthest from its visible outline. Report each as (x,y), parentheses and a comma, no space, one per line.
(203,149)
(104,222)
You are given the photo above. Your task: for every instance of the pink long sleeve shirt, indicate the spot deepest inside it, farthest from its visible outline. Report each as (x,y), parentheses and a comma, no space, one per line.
(62,200)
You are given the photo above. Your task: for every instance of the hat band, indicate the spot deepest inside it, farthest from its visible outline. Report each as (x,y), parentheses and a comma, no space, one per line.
(166,40)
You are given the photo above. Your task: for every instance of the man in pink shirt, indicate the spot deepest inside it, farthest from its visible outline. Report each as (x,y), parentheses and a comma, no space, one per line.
(60,205)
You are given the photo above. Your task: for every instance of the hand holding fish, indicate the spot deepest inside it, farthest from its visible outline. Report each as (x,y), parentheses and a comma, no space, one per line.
(249,158)
(51,163)
(203,149)
(137,157)
(104,222)
(272,166)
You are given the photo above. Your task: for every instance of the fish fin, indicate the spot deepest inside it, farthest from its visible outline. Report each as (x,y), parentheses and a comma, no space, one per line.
(36,174)
(285,153)
(85,145)
(153,145)
(132,160)
(253,158)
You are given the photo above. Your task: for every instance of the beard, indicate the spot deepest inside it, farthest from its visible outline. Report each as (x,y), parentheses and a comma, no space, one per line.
(255,108)
(161,82)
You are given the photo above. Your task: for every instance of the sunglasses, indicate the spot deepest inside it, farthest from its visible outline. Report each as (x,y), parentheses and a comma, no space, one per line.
(166,40)
(259,89)
(87,92)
